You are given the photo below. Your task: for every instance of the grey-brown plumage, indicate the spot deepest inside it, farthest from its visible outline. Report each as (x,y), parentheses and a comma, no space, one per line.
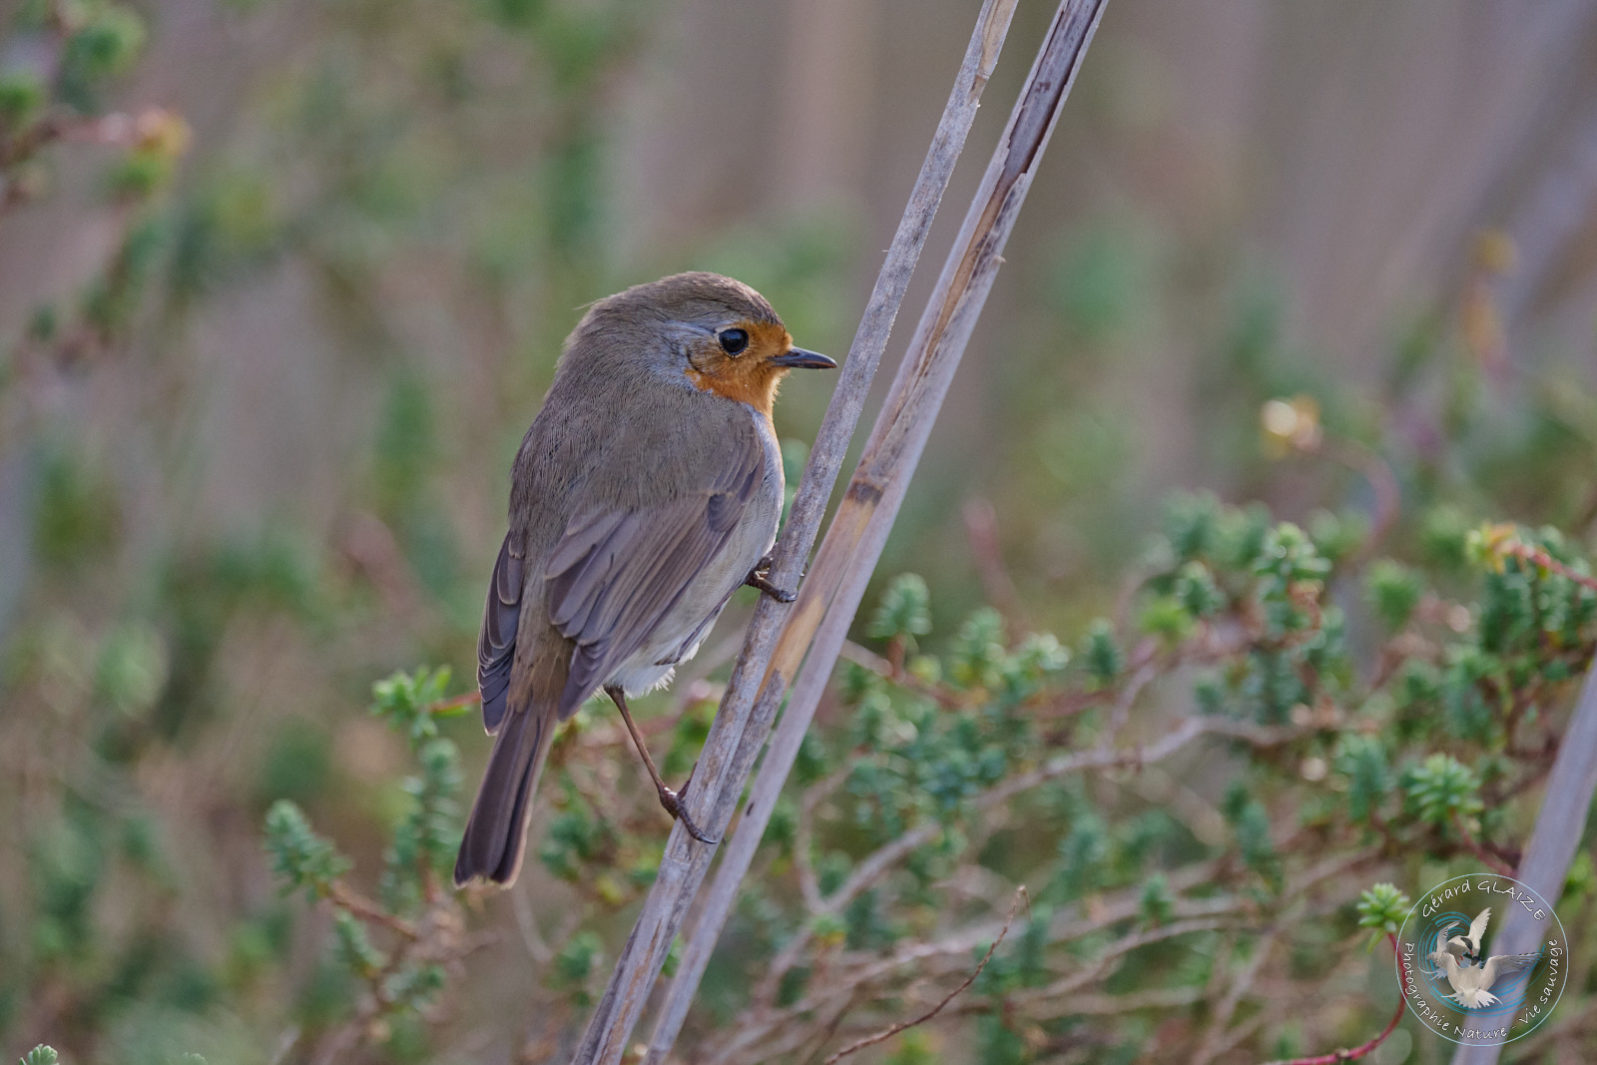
(646,490)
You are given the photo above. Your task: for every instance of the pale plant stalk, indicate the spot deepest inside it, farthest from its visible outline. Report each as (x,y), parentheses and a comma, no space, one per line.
(858,532)
(1551,850)
(779,635)
(684,865)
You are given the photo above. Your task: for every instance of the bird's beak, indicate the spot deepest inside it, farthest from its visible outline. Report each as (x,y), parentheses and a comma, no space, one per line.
(799,359)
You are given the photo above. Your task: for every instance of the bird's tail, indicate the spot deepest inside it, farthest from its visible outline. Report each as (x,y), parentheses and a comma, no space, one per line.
(496,832)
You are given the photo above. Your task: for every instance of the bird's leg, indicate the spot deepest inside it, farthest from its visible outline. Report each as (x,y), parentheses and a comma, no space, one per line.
(760,577)
(672,801)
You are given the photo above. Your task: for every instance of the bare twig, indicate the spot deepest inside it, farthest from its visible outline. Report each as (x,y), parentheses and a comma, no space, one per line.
(764,1029)
(870,869)
(1215,1040)
(1478,849)
(1382,481)
(345,897)
(1103,960)
(286,1044)
(1363,1050)
(893,1029)
(803,836)
(981,532)
(865,658)
(757,1033)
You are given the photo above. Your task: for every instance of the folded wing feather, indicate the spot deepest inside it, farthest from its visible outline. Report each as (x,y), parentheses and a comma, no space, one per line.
(616,574)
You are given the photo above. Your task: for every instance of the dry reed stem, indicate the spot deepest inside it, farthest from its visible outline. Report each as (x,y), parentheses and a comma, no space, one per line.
(1551,851)
(779,636)
(854,540)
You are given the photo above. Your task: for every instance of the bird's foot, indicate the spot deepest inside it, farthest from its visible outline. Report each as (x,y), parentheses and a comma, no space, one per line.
(760,577)
(672,801)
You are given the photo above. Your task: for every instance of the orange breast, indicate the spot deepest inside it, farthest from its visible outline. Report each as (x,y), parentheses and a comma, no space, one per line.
(757,390)
(751,378)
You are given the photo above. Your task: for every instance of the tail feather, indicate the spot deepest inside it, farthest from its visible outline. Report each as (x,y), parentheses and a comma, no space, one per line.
(496,832)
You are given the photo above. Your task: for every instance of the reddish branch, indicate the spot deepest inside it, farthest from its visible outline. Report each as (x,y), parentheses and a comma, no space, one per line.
(1537,556)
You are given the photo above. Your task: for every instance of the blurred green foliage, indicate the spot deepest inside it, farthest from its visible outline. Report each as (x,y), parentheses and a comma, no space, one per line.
(1199,751)
(414,912)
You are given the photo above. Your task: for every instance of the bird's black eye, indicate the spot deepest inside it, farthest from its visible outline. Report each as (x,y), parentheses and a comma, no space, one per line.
(733,341)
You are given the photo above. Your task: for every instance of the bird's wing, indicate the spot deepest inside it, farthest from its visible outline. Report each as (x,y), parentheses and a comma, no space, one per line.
(1501,965)
(496,646)
(1477,928)
(1457,975)
(615,573)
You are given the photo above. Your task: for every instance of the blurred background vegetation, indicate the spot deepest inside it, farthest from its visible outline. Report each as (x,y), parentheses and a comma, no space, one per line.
(282,284)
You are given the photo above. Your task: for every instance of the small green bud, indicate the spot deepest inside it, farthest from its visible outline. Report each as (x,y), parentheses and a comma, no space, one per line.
(1383,907)
(978,650)
(1101,654)
(1197,592)
(905,609)
(577,959)
(1289,555)
(22,96)
(1191,524)
(355,948)
(299,856)
(1157,903)
(1362,760)
(1394,591)
(1442,788)
(1336,536)
(1166,617)
(1444,537)
(406,701)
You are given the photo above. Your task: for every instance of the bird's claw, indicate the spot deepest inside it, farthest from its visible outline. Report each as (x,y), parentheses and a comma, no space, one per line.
(672,801)
(760,577)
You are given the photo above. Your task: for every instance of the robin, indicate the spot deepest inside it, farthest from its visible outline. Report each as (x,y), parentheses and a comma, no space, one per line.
(646,492)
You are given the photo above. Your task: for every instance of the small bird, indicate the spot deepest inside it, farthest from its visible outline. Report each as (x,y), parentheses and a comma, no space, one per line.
(1471,978)
(1468,948)
(647,490)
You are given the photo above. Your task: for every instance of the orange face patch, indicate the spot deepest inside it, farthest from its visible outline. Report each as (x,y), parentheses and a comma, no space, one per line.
(748,377)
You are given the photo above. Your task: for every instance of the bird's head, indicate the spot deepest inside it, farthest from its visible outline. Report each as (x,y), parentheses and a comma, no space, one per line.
(716,333)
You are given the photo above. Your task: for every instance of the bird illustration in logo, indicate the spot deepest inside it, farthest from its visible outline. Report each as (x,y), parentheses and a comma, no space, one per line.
(1468,948)
(1460,959)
